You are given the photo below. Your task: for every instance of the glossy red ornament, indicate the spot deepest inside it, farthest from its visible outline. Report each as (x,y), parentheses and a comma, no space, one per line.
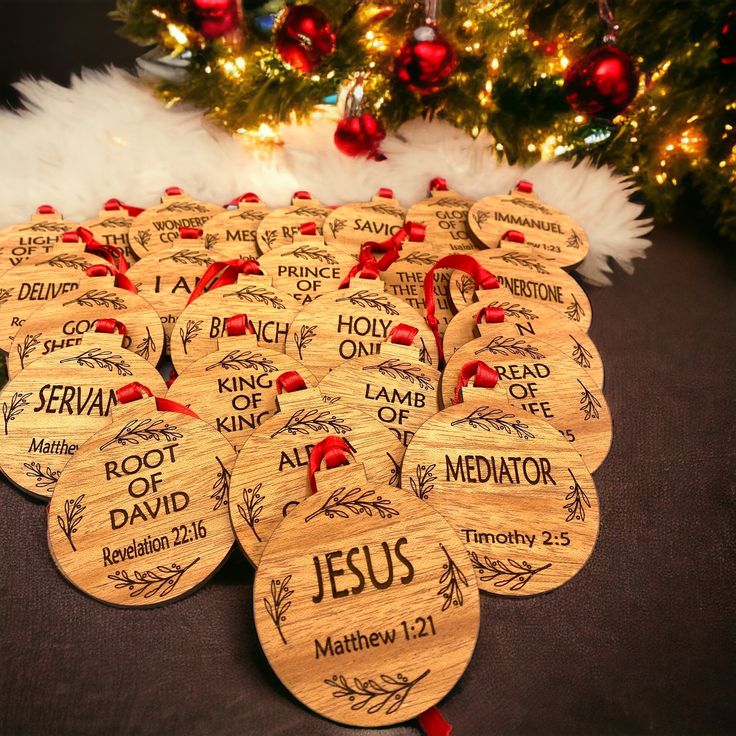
(425,61)
(602,83)
(360,135)
(727,39)
(216,18)
(303,37)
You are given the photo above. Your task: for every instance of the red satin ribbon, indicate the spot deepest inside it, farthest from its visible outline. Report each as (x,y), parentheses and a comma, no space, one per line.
(386,193)
(433,724)
(116,204)
(402,334)
(515,236)
(482,277)
(121,280)
(288,382)
(238,324)
(173,191)
(367,266)
(438,184)
(247,197)
(190,233)
(223,273)
(173,375)
(110,253)
(491,315)
(333,450)
(415,231)
(485,377)
(525,186)
(308,228)
(45,209)
(302,194)
(136,391)
(110,325)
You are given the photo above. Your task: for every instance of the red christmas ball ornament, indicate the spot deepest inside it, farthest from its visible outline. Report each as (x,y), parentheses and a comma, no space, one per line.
(360,135)
(216,18)
(727,39)
(425,61)
(602,83)
(303,37)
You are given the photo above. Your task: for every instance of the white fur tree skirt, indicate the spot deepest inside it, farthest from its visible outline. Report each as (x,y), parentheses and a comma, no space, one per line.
(108,136)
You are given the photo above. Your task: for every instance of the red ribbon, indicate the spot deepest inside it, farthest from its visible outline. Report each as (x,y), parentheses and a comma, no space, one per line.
(238,325)
(402,334)
(433,724)
(288,382)
(45,209)
(525,186)
(302,194)
(308,228)
(491,315)
(136,391)
(116,204)
(173,375)
(482,277)
(121,280)
(247,197)
(515,236)
(333,450)
(110,325)
(110,253)
(485,377)
(415,231)
(173,191)
(386,193)
(190,233)
(438,184)
(223,273)
(367,266)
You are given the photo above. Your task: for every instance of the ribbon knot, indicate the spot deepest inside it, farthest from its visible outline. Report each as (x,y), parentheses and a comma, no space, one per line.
(490,315)
(190,233)
(103,269)
(485,377)
(333,450)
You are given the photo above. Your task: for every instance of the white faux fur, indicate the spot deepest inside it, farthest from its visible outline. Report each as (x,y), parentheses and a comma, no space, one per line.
(108,136)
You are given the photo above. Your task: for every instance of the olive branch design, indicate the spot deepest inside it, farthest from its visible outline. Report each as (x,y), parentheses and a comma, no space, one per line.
(514,310)
(29,344)
(510,346)
(487,419)
(336,225)
(115,222)
(184,207)
(245,359)
(258,294)
(73,515)
(44,478)
(141,430)
(252,507)
(142,237)
(395,478)
(449,202)
(480,217)
(420,259)
(313,253)
(66,260)
(371,300)
(304,421)
(48,227)
(150,583)
(15,407)
(305,210)
(451,582)
(98,298)
(146,346)
(210,240)
(466,285)
(402,371)
(99,358)
(5,294)
(580,354)
(513,573)
(304,337)
(221,486)
(423,483)
(188,333)
(574,240)
(530,204)
(249,214)
(341,503)
(575,310)
(383,692)
(589,405)
(279,603)
(268,237)
(188,256)
(524,261)
(386,209)
(424,355)
(577,500)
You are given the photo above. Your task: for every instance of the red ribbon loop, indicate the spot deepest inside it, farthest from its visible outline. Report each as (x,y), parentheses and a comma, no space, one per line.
(136,391)
(438,184)
(302,194)
(402,334)
(116,204)
(190,233)
(173,191)
(491,315)
(247,197)
(386,193)
(433,724)
(515,236)
(308,228)
(333,450)
(290,381)
(238,324)
(45,209)
(415,231)
(110,253)
(121,280)
(525,186)
(223,273)
(485,377)
(367,266)
(109,326)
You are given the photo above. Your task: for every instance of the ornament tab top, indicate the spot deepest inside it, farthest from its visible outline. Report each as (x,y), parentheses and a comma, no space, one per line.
(280,226)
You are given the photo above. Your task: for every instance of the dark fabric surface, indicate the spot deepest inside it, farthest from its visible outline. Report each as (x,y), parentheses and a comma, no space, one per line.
(640,642)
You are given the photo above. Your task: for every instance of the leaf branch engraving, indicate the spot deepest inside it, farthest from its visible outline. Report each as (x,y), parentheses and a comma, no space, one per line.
(143,237)
(29,344)
(341,503)
(210,240)
(304,421)
(304,337)
(98,298)
(142,430)
(512,573)
(487,419)
(5,294)
(530,204)
(146,346)
(258,294)
(245,359)
(480,217)
(514,310)
(99,358)
(575,310)
(312,253)
(580,354)
(423,482)
(424,355)
(574,240)
(451,582)
(184,207)
(510,346)
(15,407)
(371,300)
(250,214)
(190,332)
(466,285)
(384,692)
(386,209)
(188,256)
(150,583)
(450,202)
(395,478)
(522,260)
(46,227)
(577,500)
(115,222)
(45,479)
(73,515)
(305,210)
(252,507)
(268,237)
(67,260)
(279,603)
(402,371)
(419,259)
(336,225)
(221,486)
(589,405)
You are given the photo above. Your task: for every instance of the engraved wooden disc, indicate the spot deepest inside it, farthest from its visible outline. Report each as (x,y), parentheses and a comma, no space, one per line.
(279,226)
(307,267)
(351,225)
(157,227)
(37,280)
(530,277)
(33,238)
(519,496)
(271,475)
(52,407)
(139,516)
(351,322)
(548,230)
(199,326)
(389,630)
(445,215)
(233,231)
(234,387)
(111,227)
(61,322)
(523,319)
(546,383)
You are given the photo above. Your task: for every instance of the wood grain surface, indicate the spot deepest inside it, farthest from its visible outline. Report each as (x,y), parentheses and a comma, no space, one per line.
(445,215)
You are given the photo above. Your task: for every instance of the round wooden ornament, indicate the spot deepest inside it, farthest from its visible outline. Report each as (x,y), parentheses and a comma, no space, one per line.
(33,238)
(545,383)
(233,232)
(50,408)
(548,231)
(526,276)
(520,497)
(270,477)
(61,322)
(445,215)
(112,224)
(510,320)
(157,227)
(234,387)
(349,226)
(372,616)
(139,515)
(279,226)
(351,322)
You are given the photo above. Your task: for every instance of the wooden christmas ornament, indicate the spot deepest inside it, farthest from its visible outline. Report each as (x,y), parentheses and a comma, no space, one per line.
(157,227)
(351,225)
(139,515)
(112,224)
(234,387)
(352,322)
(50,408)
(233,232)
(61,322)
(445,215)
(366,605)
(548,231)
(511,320)
(520,496)
(545,383)
(270,477)
(278,227)
(33,238)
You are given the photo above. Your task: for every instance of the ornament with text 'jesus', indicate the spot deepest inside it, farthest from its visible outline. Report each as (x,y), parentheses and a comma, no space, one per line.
(281,225)
(351,322)
(52,407)
(234,387)
(512,321)
(157,227)
(366,604)
(548,231)
(270,477)
(520,496)
(139,515)
(111,226)
(233,231)
(545,383)
(529,277)
(61,322)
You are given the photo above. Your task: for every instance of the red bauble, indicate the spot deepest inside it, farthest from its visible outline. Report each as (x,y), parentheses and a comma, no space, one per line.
(425,61)
(216,18)
(727,39)
(304,37)
(359,135)
(602,83)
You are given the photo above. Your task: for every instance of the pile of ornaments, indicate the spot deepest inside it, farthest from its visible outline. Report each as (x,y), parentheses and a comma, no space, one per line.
(389,410)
